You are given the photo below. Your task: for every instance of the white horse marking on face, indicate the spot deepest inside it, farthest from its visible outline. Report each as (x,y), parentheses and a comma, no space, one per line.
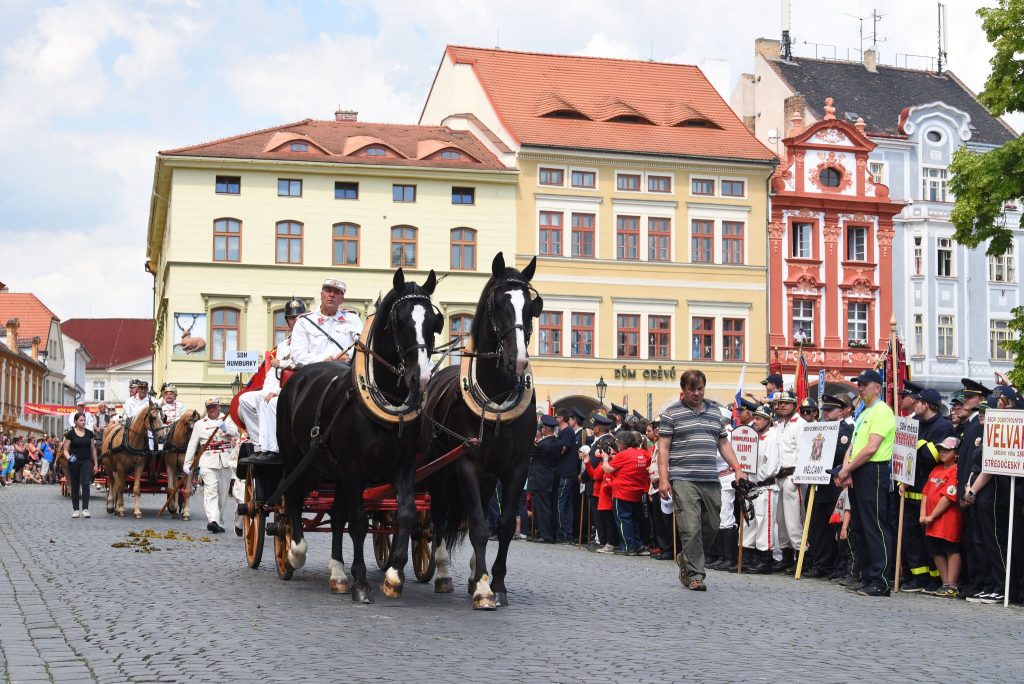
(419,315)
(518,302)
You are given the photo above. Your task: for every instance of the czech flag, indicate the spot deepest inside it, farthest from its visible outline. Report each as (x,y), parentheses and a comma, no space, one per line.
(739,397)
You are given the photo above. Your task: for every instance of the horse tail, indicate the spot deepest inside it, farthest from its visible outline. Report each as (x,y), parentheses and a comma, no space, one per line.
(456,527)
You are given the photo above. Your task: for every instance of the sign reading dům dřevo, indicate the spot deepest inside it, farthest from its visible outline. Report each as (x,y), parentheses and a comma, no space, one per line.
(1003,450)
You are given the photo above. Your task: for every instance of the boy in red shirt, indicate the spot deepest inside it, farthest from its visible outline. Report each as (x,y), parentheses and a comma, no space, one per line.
(628,487)
(942,519)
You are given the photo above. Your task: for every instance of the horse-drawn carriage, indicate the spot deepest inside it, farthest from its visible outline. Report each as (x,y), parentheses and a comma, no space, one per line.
(388,446)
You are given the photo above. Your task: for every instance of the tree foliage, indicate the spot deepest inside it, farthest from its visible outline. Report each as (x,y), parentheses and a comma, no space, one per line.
(984,183)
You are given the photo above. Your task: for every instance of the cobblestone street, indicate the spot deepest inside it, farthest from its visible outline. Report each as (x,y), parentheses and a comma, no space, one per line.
(73,608)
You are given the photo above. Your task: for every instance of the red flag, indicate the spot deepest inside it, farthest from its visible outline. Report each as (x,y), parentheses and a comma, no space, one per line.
(800,386)
(551,407)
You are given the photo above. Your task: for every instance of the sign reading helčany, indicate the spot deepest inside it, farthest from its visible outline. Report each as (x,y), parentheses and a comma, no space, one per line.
(1003,451)
(817,451)
(745,443)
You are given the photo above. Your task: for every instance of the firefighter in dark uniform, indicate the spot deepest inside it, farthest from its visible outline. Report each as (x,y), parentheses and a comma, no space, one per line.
(602,426)
(968,465)
(932,429)
(824,547)
(618,414)
(543,474)
(907,400)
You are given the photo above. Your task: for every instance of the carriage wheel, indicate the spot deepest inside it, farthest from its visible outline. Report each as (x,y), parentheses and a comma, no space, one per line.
(283,540)
(382,540)
(423,549)
(254,523)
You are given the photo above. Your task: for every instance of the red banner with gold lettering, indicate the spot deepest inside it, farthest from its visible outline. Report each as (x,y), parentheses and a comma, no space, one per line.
(58,410)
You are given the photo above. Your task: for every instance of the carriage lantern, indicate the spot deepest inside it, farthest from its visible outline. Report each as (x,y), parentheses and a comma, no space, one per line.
(236,384)
(602,387)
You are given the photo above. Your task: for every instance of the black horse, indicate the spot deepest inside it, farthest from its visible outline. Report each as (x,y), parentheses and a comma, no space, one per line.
(500,334)
(358,448)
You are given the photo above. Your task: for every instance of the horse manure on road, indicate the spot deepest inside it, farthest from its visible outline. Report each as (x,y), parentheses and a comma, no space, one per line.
(140,541)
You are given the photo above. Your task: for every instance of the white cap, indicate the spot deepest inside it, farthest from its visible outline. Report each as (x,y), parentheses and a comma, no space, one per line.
(585,449)
(335,283)
(666,506)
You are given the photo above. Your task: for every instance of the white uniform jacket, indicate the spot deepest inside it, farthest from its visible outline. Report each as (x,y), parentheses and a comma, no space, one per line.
(218,454)
(767,460)
(131,406)
(284,353)
(310,344)
(172,412)
(787,440)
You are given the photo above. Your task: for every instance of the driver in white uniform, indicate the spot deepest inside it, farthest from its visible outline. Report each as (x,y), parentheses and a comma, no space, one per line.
(328,333)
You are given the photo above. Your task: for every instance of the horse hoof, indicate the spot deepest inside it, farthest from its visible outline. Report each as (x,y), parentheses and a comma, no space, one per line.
(444,586)
(110,511)
(138,516)
(391,591)
(484,602)
(361,595)
(338,587)
(186,517)
(120,514)
(472,587)
(500,599)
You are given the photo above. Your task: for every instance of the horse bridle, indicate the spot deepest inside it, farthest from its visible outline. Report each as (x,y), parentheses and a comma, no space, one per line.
(128,432)
(393,324)
(492,320)
(170,427)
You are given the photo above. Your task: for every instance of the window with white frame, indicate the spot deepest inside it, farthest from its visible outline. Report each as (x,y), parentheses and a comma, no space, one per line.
(998,333)
(586,180)
(551,176)
(550,333)
(581,334)
(918,256)
(99,390)
(919,334)
(945,340)
(856,243)
(877,170)
(803,320)
(802,233)
(933,185)
(1001,269)
(944,258)
(857,323)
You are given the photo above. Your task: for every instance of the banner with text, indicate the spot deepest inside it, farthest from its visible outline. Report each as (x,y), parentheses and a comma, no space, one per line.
(242,361)
(904,451)
(745,443)
(1003,453)
(817,450)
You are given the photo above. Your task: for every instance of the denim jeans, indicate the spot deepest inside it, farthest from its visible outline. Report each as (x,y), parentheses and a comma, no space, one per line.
(629,516)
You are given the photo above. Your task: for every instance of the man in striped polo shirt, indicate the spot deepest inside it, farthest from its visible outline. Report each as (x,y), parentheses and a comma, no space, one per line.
(691,434)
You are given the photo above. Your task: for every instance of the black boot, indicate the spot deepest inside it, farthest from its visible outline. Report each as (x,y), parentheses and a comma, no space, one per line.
(754,562)
(261,458)
(788,561)
(713,555)
(730,549)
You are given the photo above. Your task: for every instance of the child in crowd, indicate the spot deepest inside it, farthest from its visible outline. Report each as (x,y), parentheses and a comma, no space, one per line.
(840,522)
(942,519)
(629,484)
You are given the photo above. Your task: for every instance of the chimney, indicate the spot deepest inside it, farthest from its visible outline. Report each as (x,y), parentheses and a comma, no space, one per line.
(35,347)
(871,60)
(346,115)
(12,334)
(793,112)
(767,48)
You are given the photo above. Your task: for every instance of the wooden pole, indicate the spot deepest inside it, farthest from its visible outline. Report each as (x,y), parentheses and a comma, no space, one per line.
(739,551)
(582,501)
(894,360)
(1009,542)
(675,553)
(803,537)
(899,543)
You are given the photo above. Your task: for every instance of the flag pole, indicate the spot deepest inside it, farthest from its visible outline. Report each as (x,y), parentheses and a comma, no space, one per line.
(894,360)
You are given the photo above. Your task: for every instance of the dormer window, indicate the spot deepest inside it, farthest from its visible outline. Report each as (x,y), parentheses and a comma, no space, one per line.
(376,151)
(830,177)
(630,118)
(566,114)
(299,147)
(451,155)
(934,136)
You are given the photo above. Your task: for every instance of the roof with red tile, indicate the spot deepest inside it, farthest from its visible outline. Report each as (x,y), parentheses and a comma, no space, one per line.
(345,142)
(669,108)
(33,316)
(112,341)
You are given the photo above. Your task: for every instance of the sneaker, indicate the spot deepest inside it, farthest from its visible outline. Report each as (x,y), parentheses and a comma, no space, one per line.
(978,597)
(987,598)
(85,513)
(519,535)
(75,514)
(607,548)
(914,586)
(643,551)
(696,584)
(872,590)
(945,591)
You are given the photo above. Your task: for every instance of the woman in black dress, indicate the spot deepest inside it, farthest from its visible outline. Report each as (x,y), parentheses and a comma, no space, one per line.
(82,463)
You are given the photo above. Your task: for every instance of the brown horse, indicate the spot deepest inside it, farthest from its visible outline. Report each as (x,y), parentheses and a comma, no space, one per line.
(127,447)
(178,434)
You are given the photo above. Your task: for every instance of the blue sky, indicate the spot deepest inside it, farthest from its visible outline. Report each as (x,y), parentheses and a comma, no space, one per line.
(91,90)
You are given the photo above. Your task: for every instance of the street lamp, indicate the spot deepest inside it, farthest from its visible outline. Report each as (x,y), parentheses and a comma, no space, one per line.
(236,385)
(602,387)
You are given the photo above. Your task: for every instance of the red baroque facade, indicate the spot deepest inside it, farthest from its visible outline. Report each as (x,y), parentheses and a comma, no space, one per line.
(830,242)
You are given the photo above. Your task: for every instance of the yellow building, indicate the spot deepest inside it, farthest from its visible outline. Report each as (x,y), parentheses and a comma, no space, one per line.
(646,201)
(239,226)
